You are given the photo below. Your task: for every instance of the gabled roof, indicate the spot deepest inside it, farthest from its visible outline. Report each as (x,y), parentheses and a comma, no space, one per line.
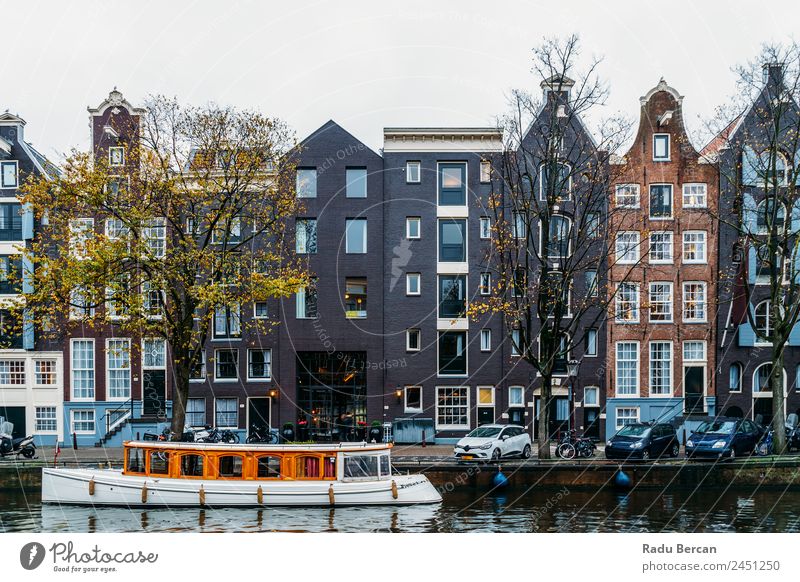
(719,141)
(115,99)
(331,125)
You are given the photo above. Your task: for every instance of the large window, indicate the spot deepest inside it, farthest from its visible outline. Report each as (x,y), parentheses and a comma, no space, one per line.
(226,413)
(81,230)
(83,421)
(226,364)
(557,243)
(196,412)
(694,246)
(661,147)
(627,369)
(516,396)
(661,201)
(259,364)
(154,235)
(762,314)
(555,185)
(198,371)
(627,303)
(10,274)
(695,196)
(661,302)
(356,236)
(118,363)
(452,185)
(306,235)
(228,231)
(356,186)
(306,301)
(227,321)
(452,353)
(627,416)
(82,369)
(45,373)
(46,420)
(452,296)
(10,221)
(661,247)
(452,407)
(627,247)
(355,297)
(12,372)
(694,302)
(660,368)
(306,182)
(452,241)
(627,195)
(9,174)
(769,215)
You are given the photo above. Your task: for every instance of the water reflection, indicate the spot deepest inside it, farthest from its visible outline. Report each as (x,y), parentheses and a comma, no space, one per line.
(465,510)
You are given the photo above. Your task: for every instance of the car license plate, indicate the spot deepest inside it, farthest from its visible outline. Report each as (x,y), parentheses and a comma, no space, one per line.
(467,457)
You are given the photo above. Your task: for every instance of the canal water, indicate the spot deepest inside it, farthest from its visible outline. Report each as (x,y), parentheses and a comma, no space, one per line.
(463,510)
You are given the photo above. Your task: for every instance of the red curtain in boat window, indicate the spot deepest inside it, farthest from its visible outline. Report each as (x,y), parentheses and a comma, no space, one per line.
(330,467)
(308,467)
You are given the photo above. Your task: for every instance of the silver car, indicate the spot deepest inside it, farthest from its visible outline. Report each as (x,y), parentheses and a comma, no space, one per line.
(494,441)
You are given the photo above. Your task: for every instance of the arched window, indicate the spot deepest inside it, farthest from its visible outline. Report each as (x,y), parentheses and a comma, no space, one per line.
(229,466)
(735,377)
(778,174)
(763,321)
(761,378)
(735,412)
(191,465)
(766,212)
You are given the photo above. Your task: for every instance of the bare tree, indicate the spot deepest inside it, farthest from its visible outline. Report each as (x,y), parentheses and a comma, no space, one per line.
(550,252)
(196,227)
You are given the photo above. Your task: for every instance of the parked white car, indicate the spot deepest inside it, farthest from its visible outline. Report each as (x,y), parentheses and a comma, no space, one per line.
(494,441)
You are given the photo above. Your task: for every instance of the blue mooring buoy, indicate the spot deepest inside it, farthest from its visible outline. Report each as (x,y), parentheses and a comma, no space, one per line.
(499,480)
(622,479)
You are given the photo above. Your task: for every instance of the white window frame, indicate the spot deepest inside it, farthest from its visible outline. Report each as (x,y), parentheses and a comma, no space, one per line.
(485,172)
(696,193)
(80,231)
(670,312)
(622,250)
(478,402)
(203,368)
(236,378)
(37,419)
(702,241)
(485,284)
(486,339)
(485,228)
(125,341)
(268,377)
(409,173)
(704,287)
(457,427)
(412,409)
(154,232)
(669,361)
(409,332)
(512,401)
(618,416)
(255,311)
(236,409)
(589,332)
(90,412)
(671,215)
(409,278)
(55,372)
(624,191)
(111,151)
(409,221)
(73,369)
(635,303)
(668,234)
(3,184)
(658,137)
(594,390)
(637,362)
(543,194)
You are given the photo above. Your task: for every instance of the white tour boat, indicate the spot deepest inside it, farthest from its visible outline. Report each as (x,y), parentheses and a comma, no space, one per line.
(172,474)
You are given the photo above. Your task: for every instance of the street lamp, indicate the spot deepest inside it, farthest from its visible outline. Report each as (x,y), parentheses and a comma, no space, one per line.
(572,372)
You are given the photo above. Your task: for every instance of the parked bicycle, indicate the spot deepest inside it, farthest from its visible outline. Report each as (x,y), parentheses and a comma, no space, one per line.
(570,445)
(261,434)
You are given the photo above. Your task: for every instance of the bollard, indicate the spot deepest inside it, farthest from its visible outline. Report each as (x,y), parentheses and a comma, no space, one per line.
(74,441)
(423,438)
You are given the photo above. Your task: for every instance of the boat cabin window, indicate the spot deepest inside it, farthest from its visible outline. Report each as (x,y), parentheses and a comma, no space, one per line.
(361,467)
(386,471)
(230,466)
(134,461)
(330,467)
(159,463)
(191,465)
(307,467)
(268,468)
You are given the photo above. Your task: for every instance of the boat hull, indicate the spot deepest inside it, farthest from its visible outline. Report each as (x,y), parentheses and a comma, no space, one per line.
(112,488)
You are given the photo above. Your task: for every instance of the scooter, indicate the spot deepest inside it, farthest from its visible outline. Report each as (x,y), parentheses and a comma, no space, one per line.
(20,446)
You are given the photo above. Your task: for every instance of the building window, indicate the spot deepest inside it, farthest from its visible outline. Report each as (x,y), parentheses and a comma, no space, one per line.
(694,302)
(661,302)
(452,241)
(196,412)
(516,342)
(356,236)
(81,230)
(557,244)
(259,364)
(485,395)
(82,370)
(46,419)
(661,147)
(9,172)
(116,156)
(485,228)
(412,340)
(413,228)
(591,283)
(591,396)
(486,171)
(154,354)
(452,407)
(82,421)
(767,216)
(412,172)
(627,195)
(694,351)
(226,412)
(762,316)
(694,246)
(695,196)
(118,364)
(305,236)
(735,377)
(10,274)
(556,187)
(626,247)
(10,222)
(413,283)
(660,368)
(306,182)
(486,284)
(486,340)
(661,201)
(260,310)
(227,321)
(12,372)
(761,378)
(152,301)
(45,373)
(355,297)
(590,344)
(452,185)
(452,296)
(627,305)
(627,368)
(452,353)
(306,301)
(661,247)
(627,416)
(198,371)
(516,396)
(519,228)
(356,183)
(413,398)
(226,364)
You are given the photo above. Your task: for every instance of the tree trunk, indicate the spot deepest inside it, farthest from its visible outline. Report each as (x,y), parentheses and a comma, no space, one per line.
(778,408)
(180,395)
(543,440)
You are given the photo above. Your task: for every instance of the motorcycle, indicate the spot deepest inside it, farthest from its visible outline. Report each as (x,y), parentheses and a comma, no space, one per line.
(15,446)
(261,434)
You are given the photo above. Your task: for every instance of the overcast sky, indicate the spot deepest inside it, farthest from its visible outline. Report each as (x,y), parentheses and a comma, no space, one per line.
(366,65)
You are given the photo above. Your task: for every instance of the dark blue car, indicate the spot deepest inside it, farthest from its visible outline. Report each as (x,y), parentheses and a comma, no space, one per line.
(723,437)
(643,441)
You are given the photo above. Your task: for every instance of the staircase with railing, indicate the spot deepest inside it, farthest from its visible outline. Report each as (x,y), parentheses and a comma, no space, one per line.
(114,420)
